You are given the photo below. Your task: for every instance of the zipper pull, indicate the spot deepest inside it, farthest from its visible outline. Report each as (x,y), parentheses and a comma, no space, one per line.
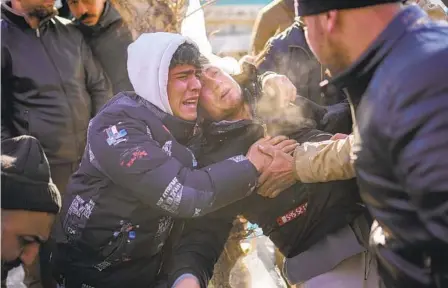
(37,33)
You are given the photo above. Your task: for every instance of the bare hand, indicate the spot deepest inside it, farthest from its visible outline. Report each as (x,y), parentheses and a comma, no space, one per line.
(258,159)
(279,87)
(278,176)
(189,282)
(262,160)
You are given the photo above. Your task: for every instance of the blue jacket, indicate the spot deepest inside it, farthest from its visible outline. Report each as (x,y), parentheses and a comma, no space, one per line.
(399,90)
(135,177)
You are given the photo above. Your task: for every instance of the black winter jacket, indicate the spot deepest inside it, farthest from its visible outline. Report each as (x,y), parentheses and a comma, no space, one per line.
(135,177)
(109,40)
(51,85)
(399,90)
(295,220)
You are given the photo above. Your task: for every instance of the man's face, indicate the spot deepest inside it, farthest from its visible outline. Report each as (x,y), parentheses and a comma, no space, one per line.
(39,9)
(183,91)
(22,233)
(324,44)
(87,11)
(220,95)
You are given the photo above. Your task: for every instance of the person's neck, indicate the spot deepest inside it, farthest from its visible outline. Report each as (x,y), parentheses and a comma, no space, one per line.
(370,23)
(32,21)
(242,113)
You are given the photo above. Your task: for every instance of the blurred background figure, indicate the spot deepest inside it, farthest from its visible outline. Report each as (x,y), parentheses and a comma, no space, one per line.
(271,20)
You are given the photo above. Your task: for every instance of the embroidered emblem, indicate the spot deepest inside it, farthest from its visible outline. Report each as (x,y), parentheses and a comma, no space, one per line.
(197,212)
(167,147)
(129,157)
(238,158)
(81,208)
(293,214)
(170,199)
(114,136)
(165,225)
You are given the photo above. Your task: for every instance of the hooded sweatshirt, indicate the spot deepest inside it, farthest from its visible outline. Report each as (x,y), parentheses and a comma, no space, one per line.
(136,176)
(148,67)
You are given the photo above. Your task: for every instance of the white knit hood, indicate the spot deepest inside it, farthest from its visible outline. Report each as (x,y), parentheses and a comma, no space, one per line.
(149,59)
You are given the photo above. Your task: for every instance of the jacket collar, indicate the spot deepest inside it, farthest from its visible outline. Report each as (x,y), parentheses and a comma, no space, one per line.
(214,132)
(109,16)
(18,19)
(357,77)
(215,129)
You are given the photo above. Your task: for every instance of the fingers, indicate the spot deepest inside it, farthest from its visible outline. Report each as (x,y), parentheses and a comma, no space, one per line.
(275,193)
(290,148)
(276,140)
(285,143)
(263,188)
(267,187)
(261,141)
(268,150)
(294,94)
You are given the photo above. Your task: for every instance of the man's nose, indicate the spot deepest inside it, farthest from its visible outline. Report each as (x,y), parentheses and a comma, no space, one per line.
(80,10)
(195,83)
(29,253)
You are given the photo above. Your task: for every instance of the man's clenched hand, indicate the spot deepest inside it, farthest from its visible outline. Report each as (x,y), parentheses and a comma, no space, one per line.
(260,159)
(279,175)
(280,88)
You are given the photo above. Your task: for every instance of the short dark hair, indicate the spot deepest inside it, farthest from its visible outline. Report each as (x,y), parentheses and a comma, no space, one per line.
(186,54)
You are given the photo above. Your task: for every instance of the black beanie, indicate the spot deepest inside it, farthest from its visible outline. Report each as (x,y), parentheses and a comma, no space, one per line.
(313,7)
(26,181)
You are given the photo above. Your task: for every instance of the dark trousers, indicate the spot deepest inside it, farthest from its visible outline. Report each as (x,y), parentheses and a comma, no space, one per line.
(40,274)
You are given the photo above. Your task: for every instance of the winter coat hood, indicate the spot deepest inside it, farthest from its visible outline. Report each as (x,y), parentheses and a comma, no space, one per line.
(148,65)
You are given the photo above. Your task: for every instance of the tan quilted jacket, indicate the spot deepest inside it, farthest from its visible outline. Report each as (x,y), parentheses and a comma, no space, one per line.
(324,161)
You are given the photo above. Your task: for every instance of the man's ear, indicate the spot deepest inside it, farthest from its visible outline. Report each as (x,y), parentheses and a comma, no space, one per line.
(332,18)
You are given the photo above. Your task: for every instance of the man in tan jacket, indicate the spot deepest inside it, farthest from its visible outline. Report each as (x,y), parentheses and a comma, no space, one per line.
(271,20)
(325,161)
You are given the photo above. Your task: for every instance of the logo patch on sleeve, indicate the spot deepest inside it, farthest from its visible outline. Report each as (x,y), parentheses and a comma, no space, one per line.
(114,136)
(293,214)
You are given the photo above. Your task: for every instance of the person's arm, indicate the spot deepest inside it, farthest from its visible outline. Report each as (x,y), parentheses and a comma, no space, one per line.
(140,165)
(265,27)
(270,59)
(324,161)
(337,118)
(6,95)
(97,85)
(419,150)
(200,246)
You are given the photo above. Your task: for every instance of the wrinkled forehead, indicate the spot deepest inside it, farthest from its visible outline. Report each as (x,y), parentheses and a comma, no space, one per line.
(209,66)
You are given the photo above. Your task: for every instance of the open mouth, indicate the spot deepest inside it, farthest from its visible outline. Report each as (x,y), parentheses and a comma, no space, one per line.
(190,102)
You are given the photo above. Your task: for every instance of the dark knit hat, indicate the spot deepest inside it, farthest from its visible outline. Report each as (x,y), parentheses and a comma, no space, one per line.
(313,7)
(26,181)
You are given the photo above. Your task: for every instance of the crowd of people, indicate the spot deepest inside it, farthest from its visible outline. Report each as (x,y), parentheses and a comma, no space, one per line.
(126,161)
